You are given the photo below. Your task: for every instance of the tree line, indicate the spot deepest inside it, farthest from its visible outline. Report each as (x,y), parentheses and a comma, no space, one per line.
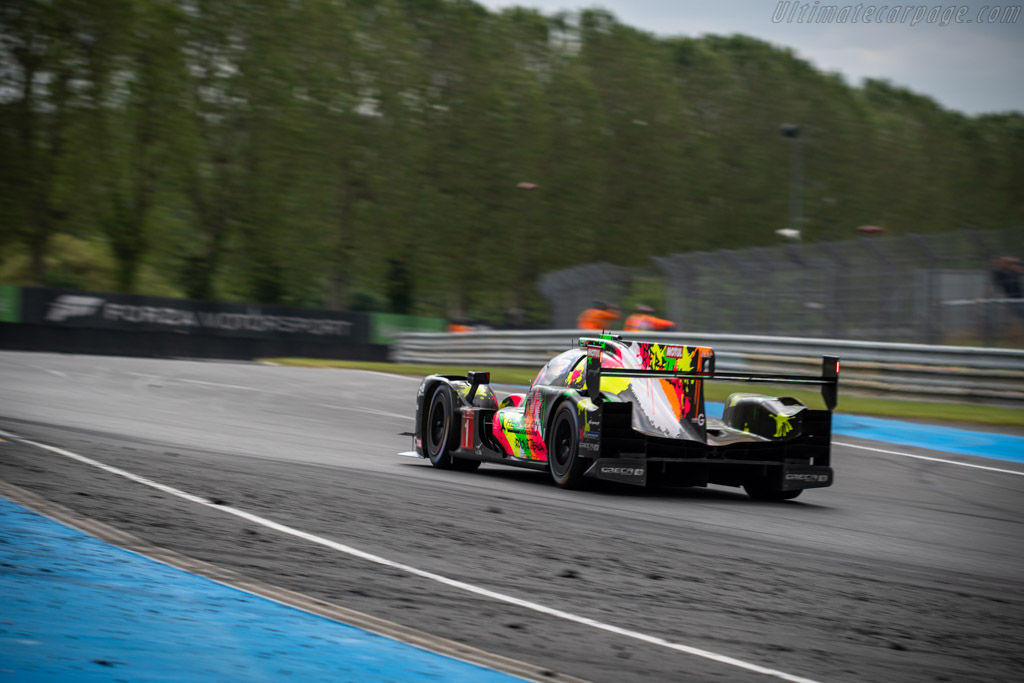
(382,154)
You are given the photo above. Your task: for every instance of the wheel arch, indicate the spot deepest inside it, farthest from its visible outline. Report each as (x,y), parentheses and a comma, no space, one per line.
(573,397)
(773,417)
(567,472)
(484,397)
(426,395)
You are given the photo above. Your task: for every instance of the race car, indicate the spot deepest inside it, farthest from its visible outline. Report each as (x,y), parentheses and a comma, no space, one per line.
(632,411)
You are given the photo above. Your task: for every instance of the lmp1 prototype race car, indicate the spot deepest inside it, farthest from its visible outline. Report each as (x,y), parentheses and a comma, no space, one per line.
(633,412)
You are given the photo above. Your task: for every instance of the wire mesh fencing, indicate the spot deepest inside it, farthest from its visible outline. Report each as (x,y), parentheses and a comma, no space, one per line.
(931,289)
(572,290)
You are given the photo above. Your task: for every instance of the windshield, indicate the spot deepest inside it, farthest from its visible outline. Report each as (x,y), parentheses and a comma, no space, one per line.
(556,372)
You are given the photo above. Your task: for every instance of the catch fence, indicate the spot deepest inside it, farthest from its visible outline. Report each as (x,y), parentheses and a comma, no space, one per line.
(930,289)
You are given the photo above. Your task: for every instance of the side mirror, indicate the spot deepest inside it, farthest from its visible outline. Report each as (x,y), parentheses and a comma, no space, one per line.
(475,380)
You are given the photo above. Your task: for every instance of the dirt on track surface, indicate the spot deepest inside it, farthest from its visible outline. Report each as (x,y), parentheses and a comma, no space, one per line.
(904,571)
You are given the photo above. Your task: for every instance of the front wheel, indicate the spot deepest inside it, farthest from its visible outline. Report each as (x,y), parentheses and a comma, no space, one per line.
(758,491)
(564,459)
(441,433)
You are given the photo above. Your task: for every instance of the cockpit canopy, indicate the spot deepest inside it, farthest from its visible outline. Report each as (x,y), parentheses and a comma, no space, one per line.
(556,372)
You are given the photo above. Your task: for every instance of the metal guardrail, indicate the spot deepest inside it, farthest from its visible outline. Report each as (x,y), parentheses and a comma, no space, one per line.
(957,374)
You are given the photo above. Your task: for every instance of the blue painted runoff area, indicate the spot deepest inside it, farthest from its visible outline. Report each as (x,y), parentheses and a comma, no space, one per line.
(934,437)
(73,608)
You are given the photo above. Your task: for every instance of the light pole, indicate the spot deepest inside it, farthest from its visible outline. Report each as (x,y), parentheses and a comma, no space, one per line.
(792,132)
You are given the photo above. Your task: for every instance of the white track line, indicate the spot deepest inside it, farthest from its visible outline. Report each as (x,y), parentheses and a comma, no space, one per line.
(218,384)
(371,411)
(162,378)
(411,378)
(925,457)
(438,578)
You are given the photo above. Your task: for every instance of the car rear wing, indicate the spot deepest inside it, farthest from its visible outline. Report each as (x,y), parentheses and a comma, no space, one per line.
(828,380)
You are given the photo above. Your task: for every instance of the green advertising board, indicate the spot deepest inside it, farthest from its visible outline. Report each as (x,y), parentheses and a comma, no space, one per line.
(385,327)
(10,304)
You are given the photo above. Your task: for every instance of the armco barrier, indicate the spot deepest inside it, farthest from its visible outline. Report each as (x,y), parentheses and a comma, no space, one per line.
(941,373)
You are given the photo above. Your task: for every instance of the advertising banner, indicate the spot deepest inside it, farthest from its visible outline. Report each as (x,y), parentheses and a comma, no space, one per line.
(385,327)
(10,304)
(128,312)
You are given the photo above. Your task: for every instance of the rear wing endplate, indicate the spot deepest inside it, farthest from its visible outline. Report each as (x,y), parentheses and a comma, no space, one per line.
(828,380)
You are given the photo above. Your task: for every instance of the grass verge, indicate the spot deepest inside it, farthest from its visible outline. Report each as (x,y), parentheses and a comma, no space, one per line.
(719,391)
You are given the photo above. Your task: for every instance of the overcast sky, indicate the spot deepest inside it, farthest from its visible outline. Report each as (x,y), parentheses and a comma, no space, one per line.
(974,65)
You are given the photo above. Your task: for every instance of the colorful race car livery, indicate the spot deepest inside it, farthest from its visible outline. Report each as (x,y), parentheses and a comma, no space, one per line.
(633,412)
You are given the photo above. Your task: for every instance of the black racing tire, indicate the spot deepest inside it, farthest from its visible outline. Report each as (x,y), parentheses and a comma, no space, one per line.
(564,459)
(758,491)
(441,434)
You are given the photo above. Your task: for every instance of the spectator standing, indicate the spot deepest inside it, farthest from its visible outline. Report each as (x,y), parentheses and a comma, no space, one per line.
(643,320)
(1006,272)
(599,317)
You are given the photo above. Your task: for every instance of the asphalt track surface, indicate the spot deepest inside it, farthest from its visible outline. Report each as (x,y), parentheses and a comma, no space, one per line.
(905,570)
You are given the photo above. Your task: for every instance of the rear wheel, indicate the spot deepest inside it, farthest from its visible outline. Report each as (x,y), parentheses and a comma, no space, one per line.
(441,435)
(759,491)
(563,449)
